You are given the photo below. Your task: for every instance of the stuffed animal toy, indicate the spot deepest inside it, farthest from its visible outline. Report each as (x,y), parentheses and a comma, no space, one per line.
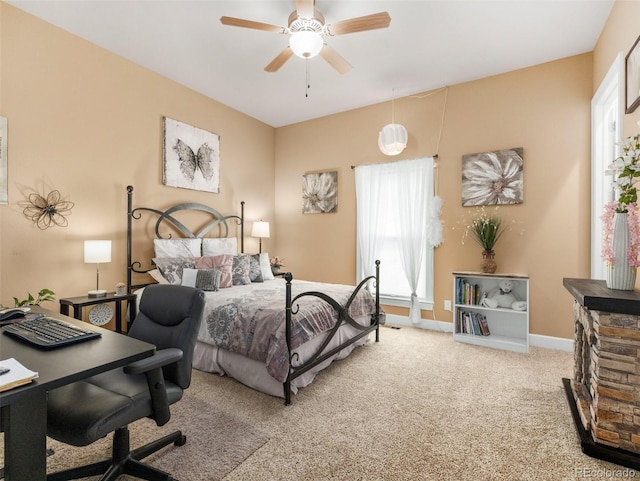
(503,296)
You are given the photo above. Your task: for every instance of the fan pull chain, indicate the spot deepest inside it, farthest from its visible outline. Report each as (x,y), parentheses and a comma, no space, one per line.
(308,82)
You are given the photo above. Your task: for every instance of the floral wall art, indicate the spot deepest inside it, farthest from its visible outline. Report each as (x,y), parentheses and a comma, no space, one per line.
(492,178)
(320,193)
(191,157)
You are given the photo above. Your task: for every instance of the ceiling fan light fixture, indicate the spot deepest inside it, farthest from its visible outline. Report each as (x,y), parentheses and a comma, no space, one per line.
(392,139)
(306,44)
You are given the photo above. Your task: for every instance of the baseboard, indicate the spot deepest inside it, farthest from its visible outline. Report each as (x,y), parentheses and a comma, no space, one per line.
(537,340)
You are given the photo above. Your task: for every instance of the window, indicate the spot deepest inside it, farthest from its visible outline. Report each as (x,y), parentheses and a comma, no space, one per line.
(397,225)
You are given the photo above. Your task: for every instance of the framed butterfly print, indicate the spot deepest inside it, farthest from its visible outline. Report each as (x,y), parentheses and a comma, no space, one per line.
(191,157)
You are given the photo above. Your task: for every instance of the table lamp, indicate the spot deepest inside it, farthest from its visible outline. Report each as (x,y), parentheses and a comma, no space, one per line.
(98,251)
(260,229)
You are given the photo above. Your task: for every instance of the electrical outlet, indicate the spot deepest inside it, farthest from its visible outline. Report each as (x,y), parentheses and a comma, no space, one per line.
(447,305)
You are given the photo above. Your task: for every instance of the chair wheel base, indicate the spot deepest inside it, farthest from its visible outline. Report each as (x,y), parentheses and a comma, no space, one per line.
(181,441)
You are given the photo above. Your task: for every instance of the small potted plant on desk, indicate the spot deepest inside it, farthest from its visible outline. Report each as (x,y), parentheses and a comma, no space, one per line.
(276,264)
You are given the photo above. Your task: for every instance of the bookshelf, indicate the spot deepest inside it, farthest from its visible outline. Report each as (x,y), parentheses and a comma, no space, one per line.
(507,328)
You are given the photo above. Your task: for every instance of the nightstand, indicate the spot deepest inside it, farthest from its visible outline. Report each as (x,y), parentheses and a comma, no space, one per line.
(82,301)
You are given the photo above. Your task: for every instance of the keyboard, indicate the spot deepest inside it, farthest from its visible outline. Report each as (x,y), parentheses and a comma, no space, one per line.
(49,332)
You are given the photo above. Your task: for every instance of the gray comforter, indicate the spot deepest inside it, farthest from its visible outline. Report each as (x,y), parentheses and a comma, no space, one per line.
(250,320)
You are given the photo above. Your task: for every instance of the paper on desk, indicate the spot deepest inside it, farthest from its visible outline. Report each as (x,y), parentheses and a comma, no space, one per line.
(17,375)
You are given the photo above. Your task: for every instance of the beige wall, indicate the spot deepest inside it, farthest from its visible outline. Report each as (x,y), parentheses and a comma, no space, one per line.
(544,109)
(88,123)
(618,35)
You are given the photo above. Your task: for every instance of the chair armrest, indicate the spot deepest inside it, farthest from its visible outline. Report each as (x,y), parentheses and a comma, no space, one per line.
(151,367)
(160,358)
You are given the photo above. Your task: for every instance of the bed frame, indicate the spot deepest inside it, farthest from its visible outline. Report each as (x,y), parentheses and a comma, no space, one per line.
(220,223)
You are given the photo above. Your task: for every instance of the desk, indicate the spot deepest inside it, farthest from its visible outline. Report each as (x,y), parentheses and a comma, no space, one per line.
(24,409)
(82,301)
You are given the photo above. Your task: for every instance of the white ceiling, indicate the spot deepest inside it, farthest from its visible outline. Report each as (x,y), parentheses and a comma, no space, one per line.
(429,44)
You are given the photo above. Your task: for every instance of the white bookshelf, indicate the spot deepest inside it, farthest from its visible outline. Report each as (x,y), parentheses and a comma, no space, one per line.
(508,328)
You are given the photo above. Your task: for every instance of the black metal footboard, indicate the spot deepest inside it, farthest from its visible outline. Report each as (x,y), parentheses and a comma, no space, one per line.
(342,317)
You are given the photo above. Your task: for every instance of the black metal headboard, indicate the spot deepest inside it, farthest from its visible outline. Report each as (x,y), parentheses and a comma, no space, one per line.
(218,221)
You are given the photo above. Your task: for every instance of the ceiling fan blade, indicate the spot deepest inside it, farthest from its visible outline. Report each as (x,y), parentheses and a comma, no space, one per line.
(305,8)
(241,22)
(360,24)
(334,59)
(279,61)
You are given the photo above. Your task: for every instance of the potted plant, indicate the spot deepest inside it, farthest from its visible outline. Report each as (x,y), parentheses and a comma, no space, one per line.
(43,295)
(486,229)
(621,225)
(276,264)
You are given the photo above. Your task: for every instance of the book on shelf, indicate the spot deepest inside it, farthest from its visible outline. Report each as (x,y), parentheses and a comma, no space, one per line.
(467,293)
(17,374)
(473,323)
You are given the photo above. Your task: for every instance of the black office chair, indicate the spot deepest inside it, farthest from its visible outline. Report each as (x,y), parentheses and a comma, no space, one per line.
(83,412)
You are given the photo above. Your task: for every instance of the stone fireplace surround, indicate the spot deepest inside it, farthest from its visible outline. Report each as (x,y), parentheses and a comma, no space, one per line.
(604,394)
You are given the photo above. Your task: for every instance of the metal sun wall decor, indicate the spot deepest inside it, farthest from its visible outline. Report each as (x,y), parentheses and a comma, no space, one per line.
(47,211)
(320,193)
(191,157)
(491,178)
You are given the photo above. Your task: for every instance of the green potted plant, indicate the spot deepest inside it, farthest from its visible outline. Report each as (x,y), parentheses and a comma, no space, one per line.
(486,229)
(43,295)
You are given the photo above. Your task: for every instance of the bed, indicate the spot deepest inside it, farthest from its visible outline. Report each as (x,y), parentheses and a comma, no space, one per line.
(269,332)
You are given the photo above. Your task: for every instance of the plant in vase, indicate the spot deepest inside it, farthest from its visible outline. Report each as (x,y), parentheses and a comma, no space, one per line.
(486,229)
(621,224)
(276,264)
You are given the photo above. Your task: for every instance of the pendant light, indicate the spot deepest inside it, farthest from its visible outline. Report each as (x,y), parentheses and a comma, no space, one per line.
(392,139)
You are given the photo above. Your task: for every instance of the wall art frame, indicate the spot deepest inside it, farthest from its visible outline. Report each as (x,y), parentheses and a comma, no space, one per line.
(191,157)
(320,192)
(4,163)
(493,178)
(632,77)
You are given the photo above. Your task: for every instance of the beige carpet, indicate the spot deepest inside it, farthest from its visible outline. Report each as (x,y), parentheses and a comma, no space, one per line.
(416,406)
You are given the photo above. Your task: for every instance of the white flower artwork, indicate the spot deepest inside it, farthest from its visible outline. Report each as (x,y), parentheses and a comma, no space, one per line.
(492,178)
(191,157)
(320,193)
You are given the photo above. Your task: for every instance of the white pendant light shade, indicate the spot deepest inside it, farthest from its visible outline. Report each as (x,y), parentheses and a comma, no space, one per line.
(392,139)
(306,44)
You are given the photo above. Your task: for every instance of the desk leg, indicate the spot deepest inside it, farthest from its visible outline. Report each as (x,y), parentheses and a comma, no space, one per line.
(64,309)
(119,316)
(132,312)
(25,439)
(77,312)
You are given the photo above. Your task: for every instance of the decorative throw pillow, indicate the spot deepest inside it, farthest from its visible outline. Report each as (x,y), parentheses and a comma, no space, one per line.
(205,279)
(159,278)
(265,267)
(241,270)
(223,262)
(177,247)
(255,273)
(171,267)
(219,246)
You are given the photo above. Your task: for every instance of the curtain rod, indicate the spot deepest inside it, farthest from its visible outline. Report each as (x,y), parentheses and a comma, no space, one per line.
(435,156)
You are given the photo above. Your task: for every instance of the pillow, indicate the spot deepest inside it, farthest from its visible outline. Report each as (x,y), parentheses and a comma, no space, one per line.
(265,267)
(219,246)
(241,270)
(224,263)
(255,273)
(205,279)
(155,273)
(171,267)
(177,247)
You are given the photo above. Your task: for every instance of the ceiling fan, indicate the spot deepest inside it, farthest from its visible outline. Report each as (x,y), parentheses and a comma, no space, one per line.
(307,29)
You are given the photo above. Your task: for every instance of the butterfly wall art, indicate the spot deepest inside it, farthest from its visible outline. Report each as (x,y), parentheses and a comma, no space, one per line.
(191,157)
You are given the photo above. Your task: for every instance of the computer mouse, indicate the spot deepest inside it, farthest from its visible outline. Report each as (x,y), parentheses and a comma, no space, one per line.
(13,313)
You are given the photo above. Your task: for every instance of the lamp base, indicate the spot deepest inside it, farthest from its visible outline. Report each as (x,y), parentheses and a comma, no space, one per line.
(98,293)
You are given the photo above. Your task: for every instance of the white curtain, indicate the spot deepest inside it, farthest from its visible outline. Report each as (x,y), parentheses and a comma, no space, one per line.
(404,190)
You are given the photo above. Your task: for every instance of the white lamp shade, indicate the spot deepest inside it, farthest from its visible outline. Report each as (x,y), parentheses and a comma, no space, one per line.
(306,44)
(260,229)
(392,139)
(97,251)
